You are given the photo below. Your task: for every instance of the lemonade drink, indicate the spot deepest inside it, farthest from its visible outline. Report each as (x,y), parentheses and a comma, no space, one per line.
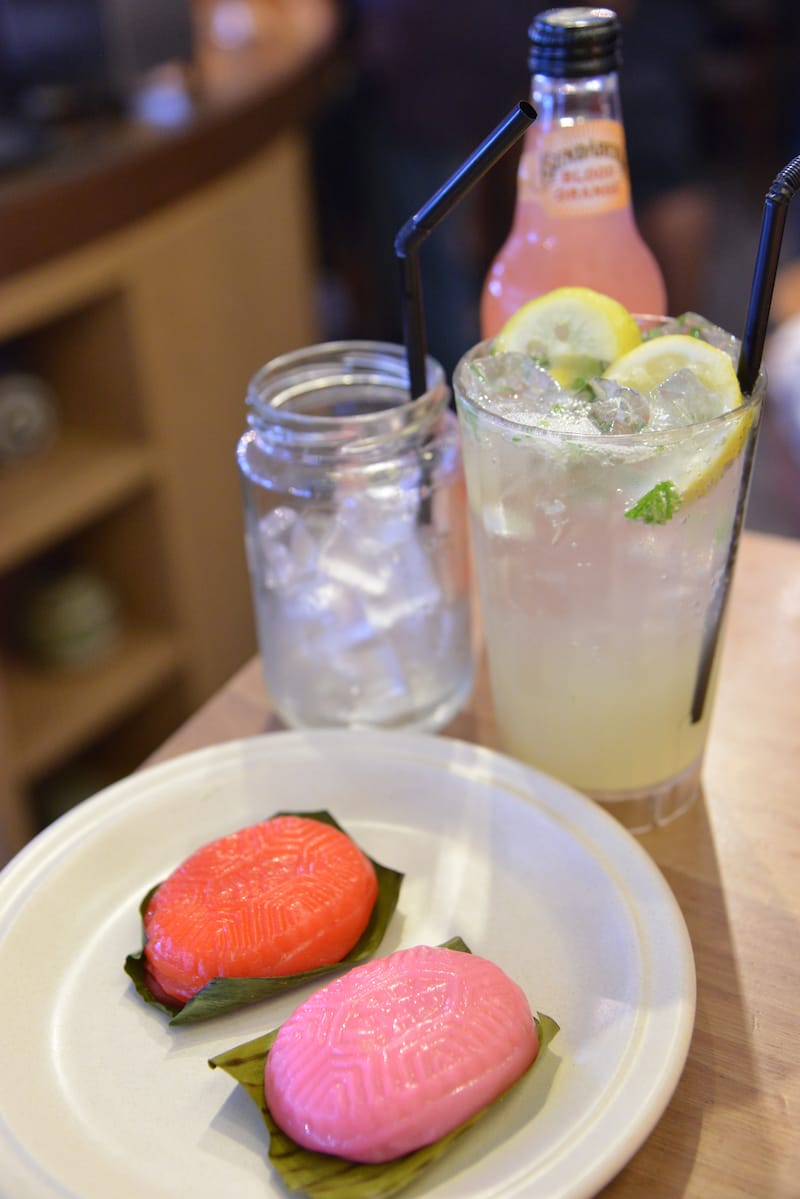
(602,520)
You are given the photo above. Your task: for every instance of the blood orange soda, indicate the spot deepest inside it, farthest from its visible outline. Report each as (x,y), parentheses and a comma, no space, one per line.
(573,223)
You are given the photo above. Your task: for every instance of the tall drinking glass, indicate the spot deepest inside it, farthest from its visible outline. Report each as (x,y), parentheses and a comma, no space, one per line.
(601,560)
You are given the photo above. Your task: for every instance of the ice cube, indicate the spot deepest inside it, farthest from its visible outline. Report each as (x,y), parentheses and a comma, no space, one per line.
(343,559)
(337,655)
(377,687)
(288,548)
(276,523)
(362,682)
(683,400)
(423,642)
(512,385)
(326,615)
(617,409)
(367,521)
(571,413)
(692,322)
(364,536)
(387,513)
(408,585)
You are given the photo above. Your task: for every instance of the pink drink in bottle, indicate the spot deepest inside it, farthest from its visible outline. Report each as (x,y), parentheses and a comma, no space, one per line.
(573,223)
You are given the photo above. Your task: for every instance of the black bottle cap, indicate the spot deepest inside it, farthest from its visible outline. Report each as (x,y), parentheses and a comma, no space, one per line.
(575,43)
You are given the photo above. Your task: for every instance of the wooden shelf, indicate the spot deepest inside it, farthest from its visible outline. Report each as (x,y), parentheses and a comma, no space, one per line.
(147,327)
(84,474)
(55,713)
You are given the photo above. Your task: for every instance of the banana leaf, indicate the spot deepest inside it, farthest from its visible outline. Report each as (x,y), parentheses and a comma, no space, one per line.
(321,1175)
(225,994)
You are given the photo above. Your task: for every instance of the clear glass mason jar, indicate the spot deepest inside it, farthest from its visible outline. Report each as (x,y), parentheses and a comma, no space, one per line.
(357,539)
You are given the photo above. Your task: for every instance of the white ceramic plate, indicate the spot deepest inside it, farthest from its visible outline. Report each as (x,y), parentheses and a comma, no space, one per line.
(99,1097)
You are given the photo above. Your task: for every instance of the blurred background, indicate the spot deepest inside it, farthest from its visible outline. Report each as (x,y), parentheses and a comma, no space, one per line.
(190,187)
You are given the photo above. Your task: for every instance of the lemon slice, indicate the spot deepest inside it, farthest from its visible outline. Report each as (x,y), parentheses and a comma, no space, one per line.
(574,332)
(651,363)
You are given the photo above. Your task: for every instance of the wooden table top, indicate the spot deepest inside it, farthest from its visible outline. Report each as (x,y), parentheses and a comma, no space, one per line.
(733,862)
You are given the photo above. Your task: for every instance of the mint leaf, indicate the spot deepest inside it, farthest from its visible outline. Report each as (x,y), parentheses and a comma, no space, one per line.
(658,505)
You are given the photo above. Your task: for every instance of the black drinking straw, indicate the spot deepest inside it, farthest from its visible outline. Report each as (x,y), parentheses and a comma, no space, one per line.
(776,205)
(784,187)
(417,228)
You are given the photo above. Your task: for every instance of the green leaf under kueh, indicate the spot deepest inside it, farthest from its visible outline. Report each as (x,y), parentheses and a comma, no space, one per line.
(323,1176)
(225,994)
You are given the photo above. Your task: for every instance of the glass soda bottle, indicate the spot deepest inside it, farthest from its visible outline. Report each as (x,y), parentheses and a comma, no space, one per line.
(573,221)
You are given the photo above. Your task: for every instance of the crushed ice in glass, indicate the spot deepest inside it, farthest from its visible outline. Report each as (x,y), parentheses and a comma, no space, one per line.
(519,389)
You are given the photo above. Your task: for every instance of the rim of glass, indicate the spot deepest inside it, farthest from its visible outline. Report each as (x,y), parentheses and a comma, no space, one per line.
(324,365)
(645,437)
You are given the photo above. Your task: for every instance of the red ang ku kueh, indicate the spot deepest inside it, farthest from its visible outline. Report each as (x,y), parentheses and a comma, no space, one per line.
(277,898)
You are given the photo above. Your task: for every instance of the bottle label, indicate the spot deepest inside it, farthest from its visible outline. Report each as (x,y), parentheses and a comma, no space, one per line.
(577,170)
